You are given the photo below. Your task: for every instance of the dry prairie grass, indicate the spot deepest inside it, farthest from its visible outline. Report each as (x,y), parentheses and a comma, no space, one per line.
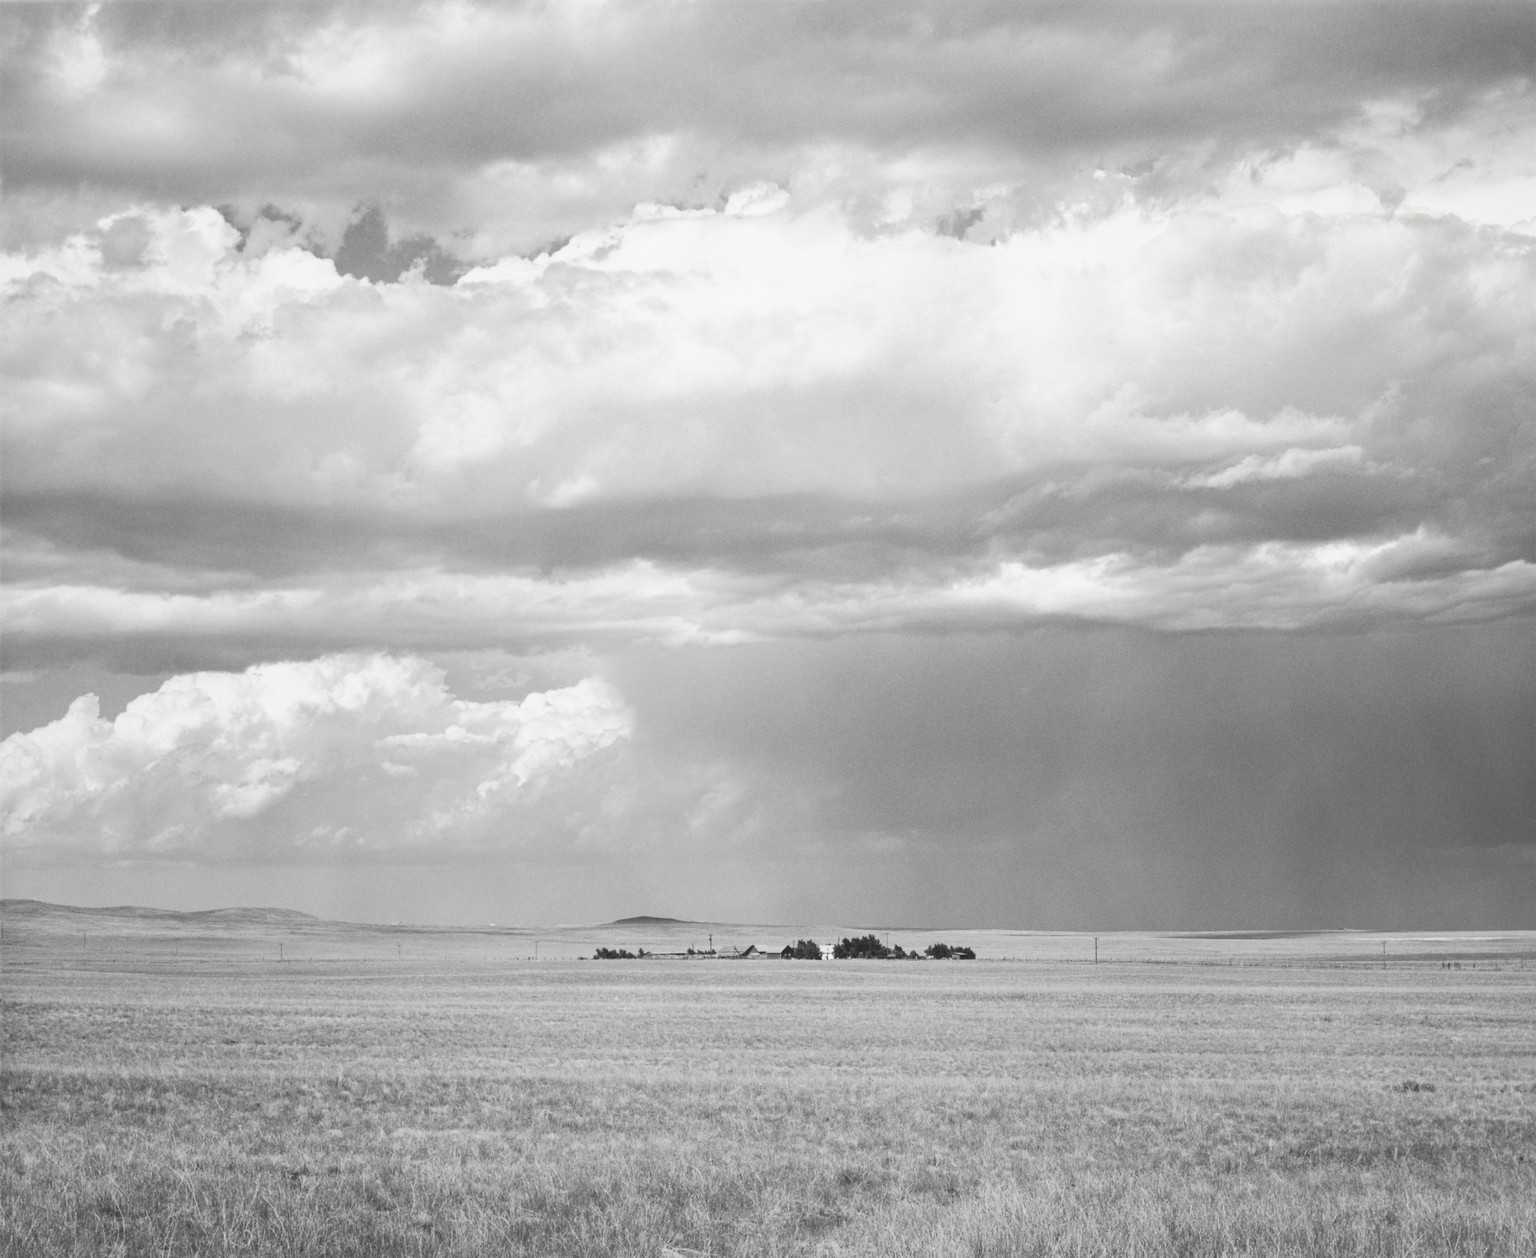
(764,1108)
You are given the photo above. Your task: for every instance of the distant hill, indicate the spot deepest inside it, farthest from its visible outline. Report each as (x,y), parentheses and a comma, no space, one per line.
(1248,934)
(41,908)
(647,920)
(249,915)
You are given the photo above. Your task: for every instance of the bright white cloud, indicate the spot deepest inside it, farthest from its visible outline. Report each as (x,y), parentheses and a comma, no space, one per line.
(362,753)
(1288,465)
(743,353)
(1277,585)
(758,351)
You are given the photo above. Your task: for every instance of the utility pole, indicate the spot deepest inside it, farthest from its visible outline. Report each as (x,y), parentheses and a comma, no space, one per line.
(279,952)
(1095,949)
(1383,954)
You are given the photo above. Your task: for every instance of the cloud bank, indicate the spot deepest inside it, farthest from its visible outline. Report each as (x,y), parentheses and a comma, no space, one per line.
(241,764)
(571,323)
(502,126)
(370,338)
(753,421)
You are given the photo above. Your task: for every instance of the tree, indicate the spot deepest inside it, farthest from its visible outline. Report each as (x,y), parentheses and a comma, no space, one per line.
(864,948)
(802,950)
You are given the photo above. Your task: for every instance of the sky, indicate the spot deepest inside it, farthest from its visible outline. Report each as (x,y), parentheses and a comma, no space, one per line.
(1044,465)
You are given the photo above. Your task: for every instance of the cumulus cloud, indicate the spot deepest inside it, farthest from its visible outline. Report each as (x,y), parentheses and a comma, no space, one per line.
(747,354)
(755,420)
(354,753)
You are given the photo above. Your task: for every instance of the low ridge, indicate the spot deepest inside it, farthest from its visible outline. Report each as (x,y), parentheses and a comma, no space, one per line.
(22,907)
(645,919)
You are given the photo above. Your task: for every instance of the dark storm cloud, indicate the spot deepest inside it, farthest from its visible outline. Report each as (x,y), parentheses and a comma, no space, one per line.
(220,102)
(792,566)
(1071,513)
(369,252)
(1055,777)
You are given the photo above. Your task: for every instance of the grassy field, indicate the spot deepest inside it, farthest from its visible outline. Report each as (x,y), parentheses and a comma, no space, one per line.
(171,1087)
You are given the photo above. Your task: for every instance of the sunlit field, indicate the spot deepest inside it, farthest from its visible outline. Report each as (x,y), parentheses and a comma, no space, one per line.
(252,1084)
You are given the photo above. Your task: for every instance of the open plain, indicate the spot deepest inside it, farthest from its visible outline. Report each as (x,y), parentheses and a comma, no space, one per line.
(254,1082)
